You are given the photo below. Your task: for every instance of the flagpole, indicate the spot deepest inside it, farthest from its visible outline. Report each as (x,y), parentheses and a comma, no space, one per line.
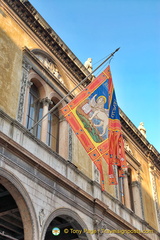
(69,93)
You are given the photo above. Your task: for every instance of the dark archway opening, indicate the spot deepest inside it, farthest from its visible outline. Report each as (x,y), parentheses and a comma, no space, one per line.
(11,225)
(69,228)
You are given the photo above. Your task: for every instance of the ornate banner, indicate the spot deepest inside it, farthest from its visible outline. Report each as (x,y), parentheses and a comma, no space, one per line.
(94,117)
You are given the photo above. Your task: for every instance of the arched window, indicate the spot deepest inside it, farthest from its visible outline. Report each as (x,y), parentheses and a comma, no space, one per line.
(53,128)
(35,111)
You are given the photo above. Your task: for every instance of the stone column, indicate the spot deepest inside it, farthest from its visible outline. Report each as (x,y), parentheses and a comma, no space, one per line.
(127,199)
(137,198)
(46,101)
(65,139)
(23,92)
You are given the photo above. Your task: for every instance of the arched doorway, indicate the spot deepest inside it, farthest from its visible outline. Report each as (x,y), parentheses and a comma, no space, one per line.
(17,216)
(65,225)
(11,225)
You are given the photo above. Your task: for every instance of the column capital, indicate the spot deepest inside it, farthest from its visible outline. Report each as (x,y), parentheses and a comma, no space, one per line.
(26,65)
(46,101)
(135,184)
(29,84)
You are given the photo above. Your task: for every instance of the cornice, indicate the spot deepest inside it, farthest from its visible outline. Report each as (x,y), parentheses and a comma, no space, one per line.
(32,19)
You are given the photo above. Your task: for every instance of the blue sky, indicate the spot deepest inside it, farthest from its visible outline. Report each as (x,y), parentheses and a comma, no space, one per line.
(95,28)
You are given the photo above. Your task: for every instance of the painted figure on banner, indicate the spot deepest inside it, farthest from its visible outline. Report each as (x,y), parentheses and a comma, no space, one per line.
(93,113)
(99,112)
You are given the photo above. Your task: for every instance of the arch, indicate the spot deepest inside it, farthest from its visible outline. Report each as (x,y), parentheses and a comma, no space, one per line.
(67,213)
(56,98)
(39,82)
(49,63)
(38,51)
(23,201)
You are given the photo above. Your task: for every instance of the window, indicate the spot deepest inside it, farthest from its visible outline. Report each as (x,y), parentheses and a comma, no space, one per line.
(53,128)
(35,111)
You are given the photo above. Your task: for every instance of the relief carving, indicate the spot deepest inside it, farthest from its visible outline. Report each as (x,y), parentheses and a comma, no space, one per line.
(99,226)
(25,71)
(41,217)
(70,144)
(127,147)
(50,66)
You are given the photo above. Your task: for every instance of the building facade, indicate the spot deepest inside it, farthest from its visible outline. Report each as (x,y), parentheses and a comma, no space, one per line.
(47,180)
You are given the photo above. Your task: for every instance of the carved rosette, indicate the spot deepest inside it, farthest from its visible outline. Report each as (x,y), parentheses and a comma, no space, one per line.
(25,71)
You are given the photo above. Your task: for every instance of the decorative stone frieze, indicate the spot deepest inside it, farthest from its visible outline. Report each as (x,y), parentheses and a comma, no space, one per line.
(70,144)
(24,83)
(50,65)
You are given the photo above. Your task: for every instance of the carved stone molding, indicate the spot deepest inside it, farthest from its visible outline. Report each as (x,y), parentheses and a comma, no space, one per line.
(99,226)
(24,83)
(29,84)
(154,190)
(70,144)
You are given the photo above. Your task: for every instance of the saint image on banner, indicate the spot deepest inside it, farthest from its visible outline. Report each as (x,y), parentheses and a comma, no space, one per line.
(93,112)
